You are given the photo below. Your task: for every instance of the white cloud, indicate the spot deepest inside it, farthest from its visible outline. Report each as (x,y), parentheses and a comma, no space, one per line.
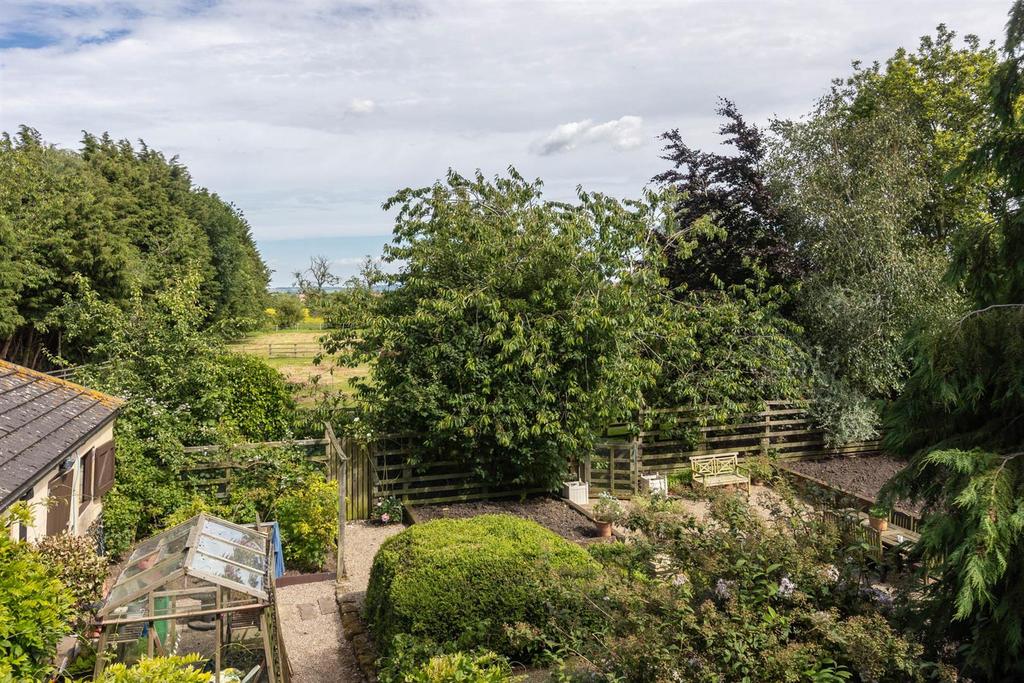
(622,133)
(361,106)
(256,96)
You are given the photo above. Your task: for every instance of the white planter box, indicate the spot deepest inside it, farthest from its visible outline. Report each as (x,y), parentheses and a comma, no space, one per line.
(654,483)
(576,491)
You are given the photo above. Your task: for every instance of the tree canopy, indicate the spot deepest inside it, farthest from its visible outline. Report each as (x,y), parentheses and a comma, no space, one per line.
(122,218)
(959,417)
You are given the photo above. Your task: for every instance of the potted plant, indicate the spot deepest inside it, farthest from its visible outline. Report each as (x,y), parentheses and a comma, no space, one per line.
(607,511)
(760,469)
(878,518)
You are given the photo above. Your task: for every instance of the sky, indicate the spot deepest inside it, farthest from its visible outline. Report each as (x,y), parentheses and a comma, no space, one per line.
(308,114)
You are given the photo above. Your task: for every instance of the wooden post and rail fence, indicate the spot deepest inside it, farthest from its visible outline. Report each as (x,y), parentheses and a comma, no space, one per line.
(306,349)
(386,466)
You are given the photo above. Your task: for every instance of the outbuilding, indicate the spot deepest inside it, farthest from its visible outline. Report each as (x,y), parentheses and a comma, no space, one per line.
(56,451)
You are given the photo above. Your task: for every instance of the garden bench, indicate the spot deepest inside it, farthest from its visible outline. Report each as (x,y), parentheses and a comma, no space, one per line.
(718,470)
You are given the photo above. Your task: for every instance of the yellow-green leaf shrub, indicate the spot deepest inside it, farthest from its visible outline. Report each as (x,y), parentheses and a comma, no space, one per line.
(35,609)
(308,517)
(157,670)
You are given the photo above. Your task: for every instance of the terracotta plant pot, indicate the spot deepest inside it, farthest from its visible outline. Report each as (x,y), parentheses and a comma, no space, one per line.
(878,523)
(604,529)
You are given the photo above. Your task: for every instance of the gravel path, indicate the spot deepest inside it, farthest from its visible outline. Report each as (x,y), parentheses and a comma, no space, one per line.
(361,542)
(314,637)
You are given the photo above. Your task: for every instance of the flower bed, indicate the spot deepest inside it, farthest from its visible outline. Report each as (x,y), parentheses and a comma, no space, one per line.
(861,477)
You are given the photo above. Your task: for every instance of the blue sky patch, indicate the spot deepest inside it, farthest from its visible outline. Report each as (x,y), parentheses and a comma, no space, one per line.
(28,40)
(106,37)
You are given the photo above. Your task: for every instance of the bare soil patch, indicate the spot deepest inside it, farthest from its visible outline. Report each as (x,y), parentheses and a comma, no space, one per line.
(548,512)
(861,476)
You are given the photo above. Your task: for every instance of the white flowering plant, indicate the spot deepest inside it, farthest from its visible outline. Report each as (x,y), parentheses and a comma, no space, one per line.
(771,592)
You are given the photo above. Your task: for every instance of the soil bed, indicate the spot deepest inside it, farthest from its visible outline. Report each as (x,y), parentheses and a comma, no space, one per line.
(548,512)
(861,476)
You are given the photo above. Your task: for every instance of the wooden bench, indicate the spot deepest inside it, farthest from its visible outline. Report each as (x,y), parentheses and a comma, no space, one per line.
(718,470)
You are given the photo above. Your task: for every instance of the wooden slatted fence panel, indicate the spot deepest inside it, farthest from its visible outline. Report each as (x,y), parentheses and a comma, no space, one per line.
(782,428)
(445,481)
(385,466)
(217,472)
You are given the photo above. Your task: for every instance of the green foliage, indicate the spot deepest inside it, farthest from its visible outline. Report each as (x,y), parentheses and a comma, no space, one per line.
(873,278)
(608,508)
(465,582)
(844,412)
(36,609)
(122,219)
(511,330)
(78,566)
(171,669)
(182,388)
(414,660)
(877,261)
(959,418)
(308,516)
(732,597)
(387,510)
(460,666)
(720,353)
(257,403)
(287,309)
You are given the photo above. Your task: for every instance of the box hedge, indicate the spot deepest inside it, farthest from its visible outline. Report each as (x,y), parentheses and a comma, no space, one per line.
(461,582)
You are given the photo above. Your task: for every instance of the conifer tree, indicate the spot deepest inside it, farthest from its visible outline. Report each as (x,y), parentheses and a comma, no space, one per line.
(961,418)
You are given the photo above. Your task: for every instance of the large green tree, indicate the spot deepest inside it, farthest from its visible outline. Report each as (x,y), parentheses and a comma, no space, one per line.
(511,329)
(959,418)
(123,218)
(878,260)
(182,388)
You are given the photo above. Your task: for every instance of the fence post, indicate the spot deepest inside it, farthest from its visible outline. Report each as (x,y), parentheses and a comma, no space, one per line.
(611,470)
(766,438)
(586,468)
(635,464)
(341,466)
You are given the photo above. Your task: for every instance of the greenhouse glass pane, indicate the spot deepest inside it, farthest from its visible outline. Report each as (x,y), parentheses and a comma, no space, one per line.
(150,578)
(228,572)
(250,539)
(225,551)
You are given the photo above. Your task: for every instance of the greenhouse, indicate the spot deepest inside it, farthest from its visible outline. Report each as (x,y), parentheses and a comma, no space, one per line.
(205,586)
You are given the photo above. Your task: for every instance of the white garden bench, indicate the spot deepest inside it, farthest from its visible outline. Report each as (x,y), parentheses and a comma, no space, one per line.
(718,470)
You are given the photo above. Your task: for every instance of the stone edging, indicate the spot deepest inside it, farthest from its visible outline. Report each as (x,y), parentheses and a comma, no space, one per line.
(354,630)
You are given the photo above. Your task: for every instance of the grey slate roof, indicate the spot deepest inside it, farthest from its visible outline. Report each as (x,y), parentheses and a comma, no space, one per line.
(42,419)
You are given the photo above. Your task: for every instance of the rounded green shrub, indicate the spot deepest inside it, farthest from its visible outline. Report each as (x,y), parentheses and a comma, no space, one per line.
(462,582)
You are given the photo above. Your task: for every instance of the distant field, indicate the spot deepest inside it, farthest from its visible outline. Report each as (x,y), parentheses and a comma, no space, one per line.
(292,353)
(294,342)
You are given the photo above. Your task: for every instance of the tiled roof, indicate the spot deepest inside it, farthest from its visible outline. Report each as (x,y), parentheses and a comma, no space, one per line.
(42,419)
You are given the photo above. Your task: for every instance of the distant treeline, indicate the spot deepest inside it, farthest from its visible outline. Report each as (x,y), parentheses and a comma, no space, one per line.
(118,219)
